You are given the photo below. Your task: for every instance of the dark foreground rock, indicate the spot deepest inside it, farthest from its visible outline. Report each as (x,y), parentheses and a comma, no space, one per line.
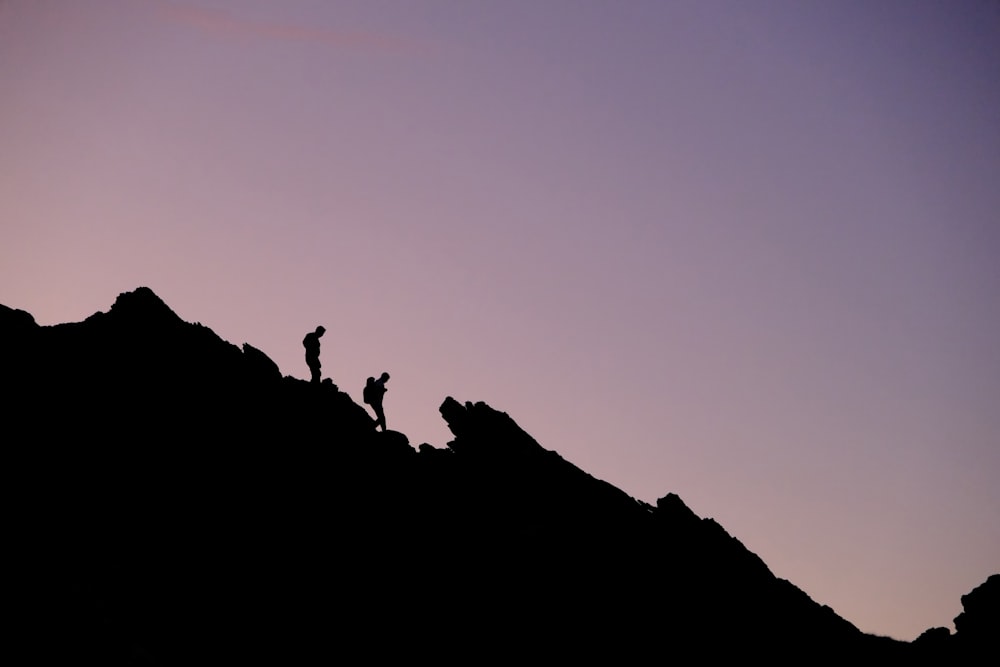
(176,500)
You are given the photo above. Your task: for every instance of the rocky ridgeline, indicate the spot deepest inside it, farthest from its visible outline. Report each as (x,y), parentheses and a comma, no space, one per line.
(179,500)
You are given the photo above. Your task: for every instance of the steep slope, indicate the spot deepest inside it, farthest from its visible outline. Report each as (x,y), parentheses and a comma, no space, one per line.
(179,499)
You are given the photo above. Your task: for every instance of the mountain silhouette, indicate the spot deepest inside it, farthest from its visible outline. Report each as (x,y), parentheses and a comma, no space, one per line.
(178,500)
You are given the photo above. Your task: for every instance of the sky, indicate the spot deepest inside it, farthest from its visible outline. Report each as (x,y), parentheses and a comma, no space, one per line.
(743,251)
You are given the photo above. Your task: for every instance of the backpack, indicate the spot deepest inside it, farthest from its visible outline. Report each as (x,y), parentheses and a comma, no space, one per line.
(368,393)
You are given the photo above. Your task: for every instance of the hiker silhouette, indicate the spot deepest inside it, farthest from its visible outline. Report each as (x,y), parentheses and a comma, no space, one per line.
(373,393)
(311,343)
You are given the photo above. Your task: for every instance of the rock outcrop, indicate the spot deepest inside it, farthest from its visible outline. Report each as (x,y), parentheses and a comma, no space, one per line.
(179,501)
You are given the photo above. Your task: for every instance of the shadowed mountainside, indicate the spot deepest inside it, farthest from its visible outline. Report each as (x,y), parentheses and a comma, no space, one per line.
(177,499)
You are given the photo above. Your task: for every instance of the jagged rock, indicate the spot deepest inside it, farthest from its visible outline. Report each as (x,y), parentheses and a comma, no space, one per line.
(979,623)
(455,415)
(935,644)
(260,364)
(143,306)
(394,441)
(191,505)
(673,507)
(15,321)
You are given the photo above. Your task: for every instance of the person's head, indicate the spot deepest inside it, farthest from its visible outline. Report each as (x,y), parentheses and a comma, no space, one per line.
(320,331)
(385,376)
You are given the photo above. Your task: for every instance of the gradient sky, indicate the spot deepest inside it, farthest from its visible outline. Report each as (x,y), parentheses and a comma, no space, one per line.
(742,251)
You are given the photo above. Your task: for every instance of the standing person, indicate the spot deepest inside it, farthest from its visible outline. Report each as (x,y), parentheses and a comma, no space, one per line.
(374,391)
(311,343)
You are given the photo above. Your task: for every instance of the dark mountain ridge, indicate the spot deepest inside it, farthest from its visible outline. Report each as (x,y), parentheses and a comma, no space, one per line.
(178,500)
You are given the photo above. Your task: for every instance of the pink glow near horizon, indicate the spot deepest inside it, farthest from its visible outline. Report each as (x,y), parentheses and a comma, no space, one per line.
(745,252)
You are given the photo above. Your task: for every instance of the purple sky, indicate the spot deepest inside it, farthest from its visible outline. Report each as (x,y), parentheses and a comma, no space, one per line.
(744,251)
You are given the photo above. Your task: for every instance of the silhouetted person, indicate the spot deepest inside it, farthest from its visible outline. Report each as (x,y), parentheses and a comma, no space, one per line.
(373,393)
(311,343)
